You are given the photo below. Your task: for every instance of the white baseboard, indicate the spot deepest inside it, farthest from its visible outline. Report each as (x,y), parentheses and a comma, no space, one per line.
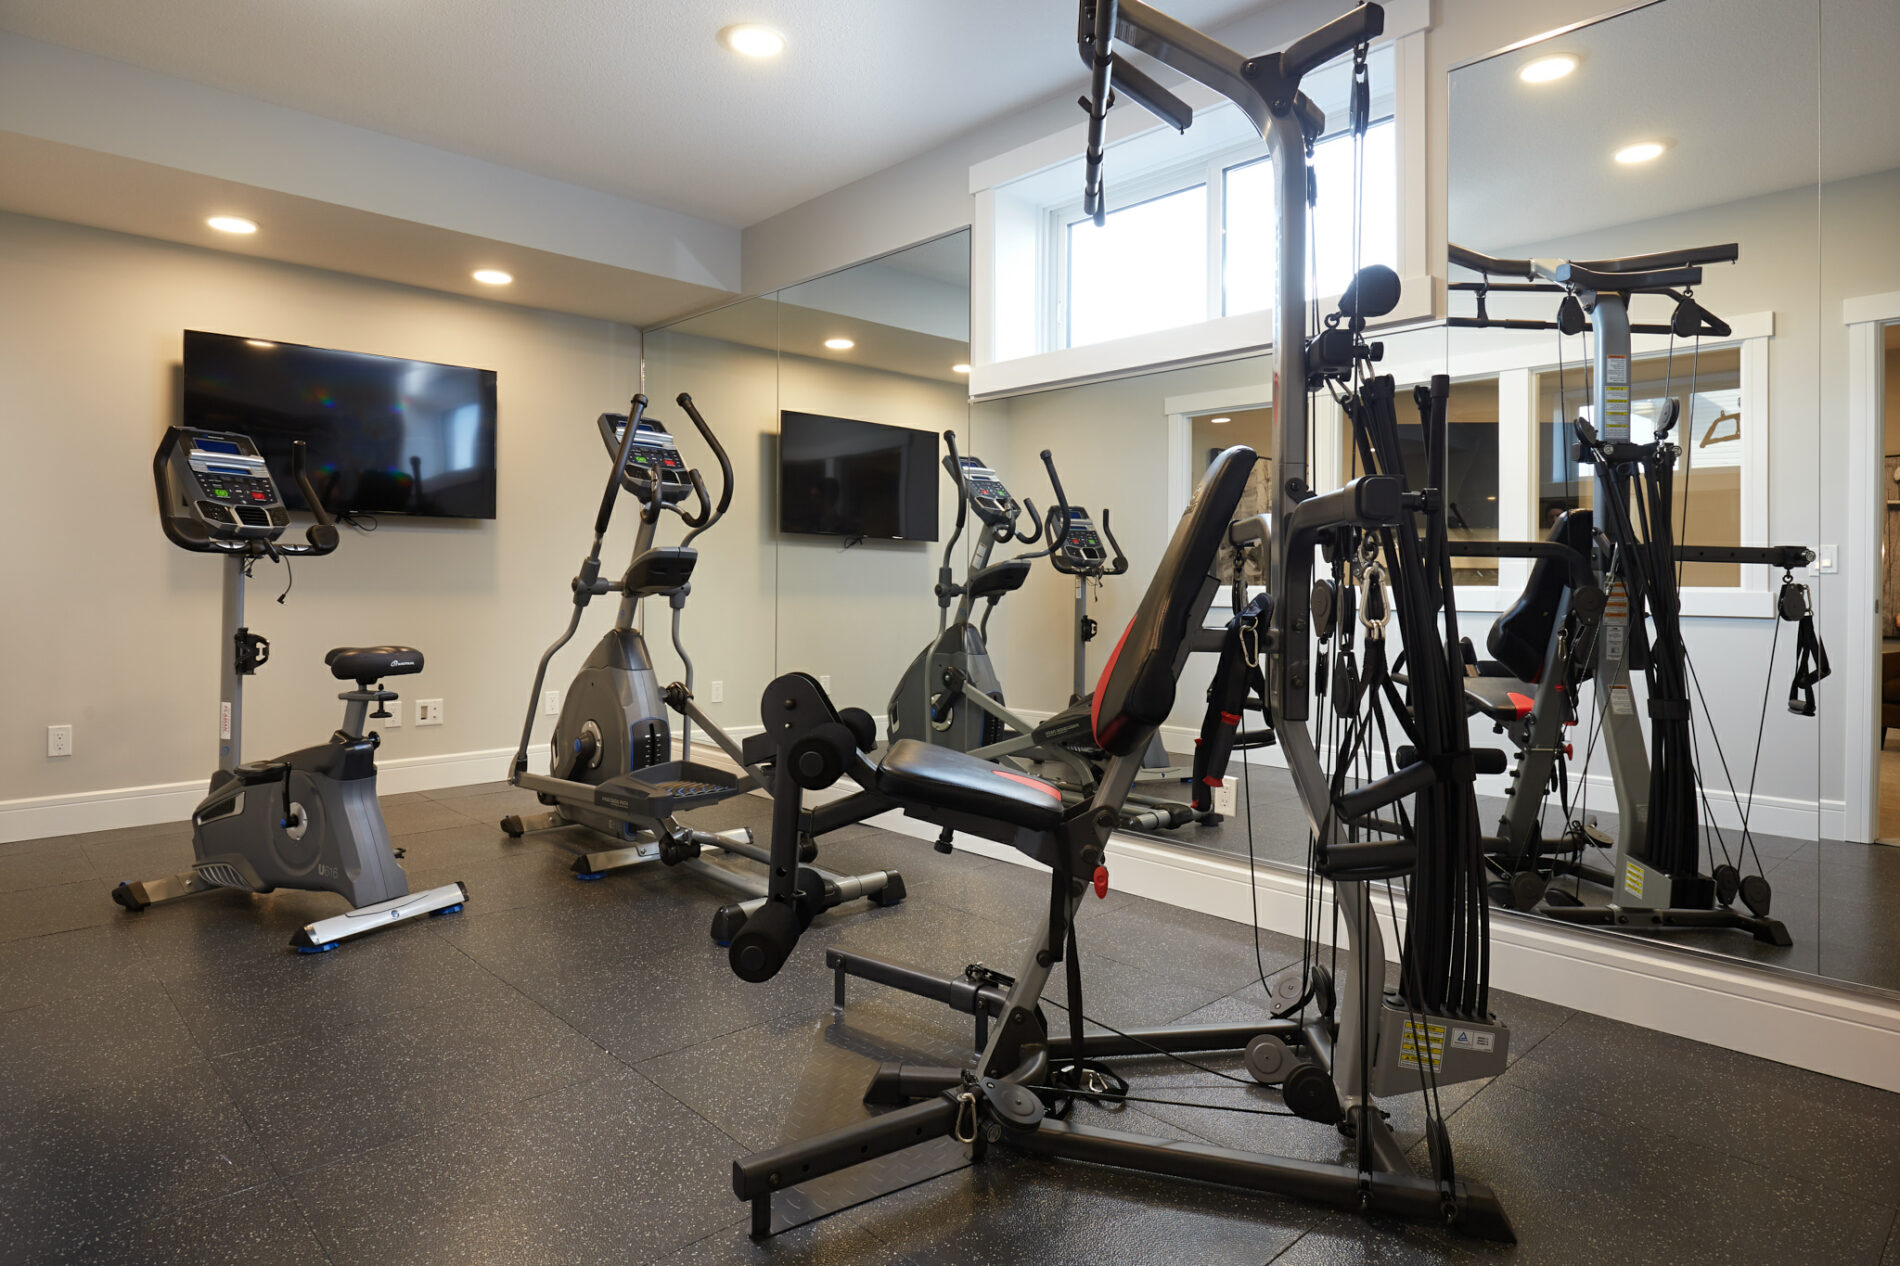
(38,817)
(1789,816)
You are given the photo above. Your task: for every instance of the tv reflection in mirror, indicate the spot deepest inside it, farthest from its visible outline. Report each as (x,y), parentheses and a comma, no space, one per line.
(862,480)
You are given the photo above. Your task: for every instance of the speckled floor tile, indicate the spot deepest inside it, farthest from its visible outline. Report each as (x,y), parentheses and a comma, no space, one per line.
(86,1039)
(1829,1130)
(321,1097)
(834,1241)
(134,1144)
(44,969)
(235,991)
(262,1224)
(1015,1208)
(612,1170)
(57,908)
(33,864)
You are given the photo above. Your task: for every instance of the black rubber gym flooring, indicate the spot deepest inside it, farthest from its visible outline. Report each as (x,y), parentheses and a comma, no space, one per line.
(1837,899)
(564,1073)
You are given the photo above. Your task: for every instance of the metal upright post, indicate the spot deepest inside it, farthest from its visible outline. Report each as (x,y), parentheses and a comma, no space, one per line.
(1081,641)
(230,680)
(1623,744)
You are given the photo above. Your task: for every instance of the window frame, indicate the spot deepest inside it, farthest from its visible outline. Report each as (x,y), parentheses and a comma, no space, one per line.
(1013,310)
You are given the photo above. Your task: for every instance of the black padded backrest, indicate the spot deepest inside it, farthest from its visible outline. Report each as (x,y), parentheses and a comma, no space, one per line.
(1521,637)
(1136,690)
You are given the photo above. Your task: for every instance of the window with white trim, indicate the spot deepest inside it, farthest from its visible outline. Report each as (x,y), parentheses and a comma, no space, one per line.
(1195,241)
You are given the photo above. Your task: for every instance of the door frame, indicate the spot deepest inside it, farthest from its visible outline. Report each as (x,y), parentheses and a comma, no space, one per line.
(1866,319)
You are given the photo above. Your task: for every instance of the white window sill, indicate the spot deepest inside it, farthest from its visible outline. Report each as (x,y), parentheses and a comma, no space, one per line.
(1224,338)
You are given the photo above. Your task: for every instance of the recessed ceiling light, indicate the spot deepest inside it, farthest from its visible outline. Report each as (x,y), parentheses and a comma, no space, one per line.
(1641,152)
(232,224)
(1546,69)
(493,276)
(959,369)
(1218,421)
(840,344)
(749,39)
(258,342)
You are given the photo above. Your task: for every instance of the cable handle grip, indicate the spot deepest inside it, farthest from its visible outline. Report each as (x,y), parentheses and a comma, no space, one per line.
(634,410)
(719,450)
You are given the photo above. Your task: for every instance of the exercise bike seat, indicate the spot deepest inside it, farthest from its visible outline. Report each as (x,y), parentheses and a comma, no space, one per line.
(946,778)
(999,578)
(371,663)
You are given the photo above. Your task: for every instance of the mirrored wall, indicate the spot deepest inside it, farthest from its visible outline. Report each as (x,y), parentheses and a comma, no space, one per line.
(1676,124)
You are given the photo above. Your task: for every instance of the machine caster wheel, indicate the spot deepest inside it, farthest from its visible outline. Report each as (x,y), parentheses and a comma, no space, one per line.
(1269,1060)
(1527,889)
(324,948)
(807,850)
(589,876)
(1728,883)
(126,896)
(512,828)
(454,909)
(891,894)
(1310,1094)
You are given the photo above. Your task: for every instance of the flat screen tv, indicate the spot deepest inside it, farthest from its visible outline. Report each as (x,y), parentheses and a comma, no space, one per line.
(383,436)
(837,477)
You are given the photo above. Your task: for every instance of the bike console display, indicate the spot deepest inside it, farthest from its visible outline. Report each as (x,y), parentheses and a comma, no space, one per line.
(654,453)
(988,497)
(214,484)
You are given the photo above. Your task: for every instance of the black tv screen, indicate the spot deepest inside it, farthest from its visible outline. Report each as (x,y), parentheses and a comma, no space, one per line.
(837,477)
(382,436)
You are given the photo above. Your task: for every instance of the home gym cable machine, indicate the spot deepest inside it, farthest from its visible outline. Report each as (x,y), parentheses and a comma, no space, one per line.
(1330,1049)
(1632,621)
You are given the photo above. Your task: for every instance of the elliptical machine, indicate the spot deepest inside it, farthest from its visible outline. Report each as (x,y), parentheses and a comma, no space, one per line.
(611,766)
(950,694)
(308,819)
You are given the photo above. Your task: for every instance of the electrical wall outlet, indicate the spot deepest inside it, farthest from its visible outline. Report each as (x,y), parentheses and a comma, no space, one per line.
(551,702)
(718,694)
(1227,799)
(428,712)
(59,740)
(824,683)
(391,722)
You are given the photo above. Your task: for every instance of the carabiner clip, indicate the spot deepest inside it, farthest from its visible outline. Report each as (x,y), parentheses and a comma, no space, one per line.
(1375,612)
(966,1108)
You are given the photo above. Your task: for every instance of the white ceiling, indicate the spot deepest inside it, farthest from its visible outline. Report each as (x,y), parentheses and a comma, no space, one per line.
(632,98)
(1752,97)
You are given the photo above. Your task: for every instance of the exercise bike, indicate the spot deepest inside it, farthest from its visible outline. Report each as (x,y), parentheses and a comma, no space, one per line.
(611,767)
(309,819)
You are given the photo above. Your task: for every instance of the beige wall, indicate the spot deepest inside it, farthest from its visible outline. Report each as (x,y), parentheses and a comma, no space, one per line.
(109,628)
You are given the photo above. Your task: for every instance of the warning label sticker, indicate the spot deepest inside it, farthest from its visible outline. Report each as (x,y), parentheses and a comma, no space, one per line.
(1633,878)
(1473,1039)
(1616,398)
(1614,636)
(1425,1040)
(1621,702)
(224,720)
